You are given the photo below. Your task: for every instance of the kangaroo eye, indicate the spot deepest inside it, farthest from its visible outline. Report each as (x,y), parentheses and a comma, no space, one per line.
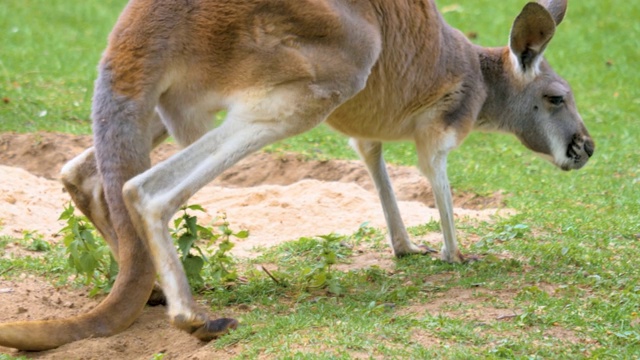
(555,100)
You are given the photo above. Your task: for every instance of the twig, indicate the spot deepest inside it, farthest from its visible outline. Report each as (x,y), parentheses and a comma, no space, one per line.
(505,317)
(270,275)
(6,270)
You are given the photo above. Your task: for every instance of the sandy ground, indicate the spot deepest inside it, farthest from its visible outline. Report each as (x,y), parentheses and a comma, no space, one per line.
(276,197)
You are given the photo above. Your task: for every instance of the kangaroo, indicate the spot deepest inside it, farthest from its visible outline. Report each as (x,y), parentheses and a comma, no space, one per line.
(374,70)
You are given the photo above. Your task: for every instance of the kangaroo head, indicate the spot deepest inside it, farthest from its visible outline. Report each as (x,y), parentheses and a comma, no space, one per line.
(532,101)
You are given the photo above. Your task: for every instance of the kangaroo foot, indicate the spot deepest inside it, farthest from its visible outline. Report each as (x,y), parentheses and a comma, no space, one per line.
(427,250)
(458,258)
(157,296)
(204,328)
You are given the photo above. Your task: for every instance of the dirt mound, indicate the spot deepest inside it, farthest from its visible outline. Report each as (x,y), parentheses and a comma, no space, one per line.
(44,154)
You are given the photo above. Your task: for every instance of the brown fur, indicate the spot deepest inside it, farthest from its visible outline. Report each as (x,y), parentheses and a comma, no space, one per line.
(375,70)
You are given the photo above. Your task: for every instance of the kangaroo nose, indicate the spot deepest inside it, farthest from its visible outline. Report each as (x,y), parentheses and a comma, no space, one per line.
(589,146)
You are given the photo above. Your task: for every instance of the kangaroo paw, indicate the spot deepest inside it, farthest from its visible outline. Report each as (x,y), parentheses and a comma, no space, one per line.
(413,250)
(427,250)
(205,329)
(458,258)
(215,328)
(157,297)
(470,258)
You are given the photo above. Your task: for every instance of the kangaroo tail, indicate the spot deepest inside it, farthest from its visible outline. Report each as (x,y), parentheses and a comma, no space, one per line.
(117,312)
(122,152)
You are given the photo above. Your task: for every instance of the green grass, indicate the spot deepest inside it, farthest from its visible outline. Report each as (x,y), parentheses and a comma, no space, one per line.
(49,56)
(47,261)
(572,270)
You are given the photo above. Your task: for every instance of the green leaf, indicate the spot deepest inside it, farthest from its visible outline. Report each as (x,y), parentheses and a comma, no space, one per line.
(242,234)
(87,263)
(87,236)
(306,271)
(67,213)
(330,258)
(177,222)
(87,254)
(319,280)
(185,242)
(191,225)
(196,207)
(94,291)
(225,246)
(335,287)
(192,268)
(205,233)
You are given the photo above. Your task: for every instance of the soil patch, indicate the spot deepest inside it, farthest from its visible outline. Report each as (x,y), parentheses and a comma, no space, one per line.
(276,197)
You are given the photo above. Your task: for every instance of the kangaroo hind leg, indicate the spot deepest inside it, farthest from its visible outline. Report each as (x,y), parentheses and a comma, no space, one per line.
(82,181)
(153,197)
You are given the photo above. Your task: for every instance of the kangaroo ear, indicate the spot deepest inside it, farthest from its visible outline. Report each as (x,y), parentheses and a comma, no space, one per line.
(531,32)
(557,8)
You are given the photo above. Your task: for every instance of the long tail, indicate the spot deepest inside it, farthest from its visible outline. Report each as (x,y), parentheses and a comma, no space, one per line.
(114,314)
(122,151)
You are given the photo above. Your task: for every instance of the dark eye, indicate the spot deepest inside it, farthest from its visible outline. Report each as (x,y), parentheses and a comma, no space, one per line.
(555,100)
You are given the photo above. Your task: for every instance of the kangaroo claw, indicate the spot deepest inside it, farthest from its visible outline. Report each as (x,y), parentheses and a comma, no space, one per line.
(213,329)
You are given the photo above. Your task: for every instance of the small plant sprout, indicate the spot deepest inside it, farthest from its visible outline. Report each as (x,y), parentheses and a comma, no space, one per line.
(321,275)
(204,266)
(87,252)
(35,241)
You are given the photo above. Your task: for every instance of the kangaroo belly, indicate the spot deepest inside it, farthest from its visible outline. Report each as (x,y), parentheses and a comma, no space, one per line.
(370,120)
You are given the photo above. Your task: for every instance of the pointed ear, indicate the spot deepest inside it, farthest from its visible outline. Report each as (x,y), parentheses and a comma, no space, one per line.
(557,8)
(531,32)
